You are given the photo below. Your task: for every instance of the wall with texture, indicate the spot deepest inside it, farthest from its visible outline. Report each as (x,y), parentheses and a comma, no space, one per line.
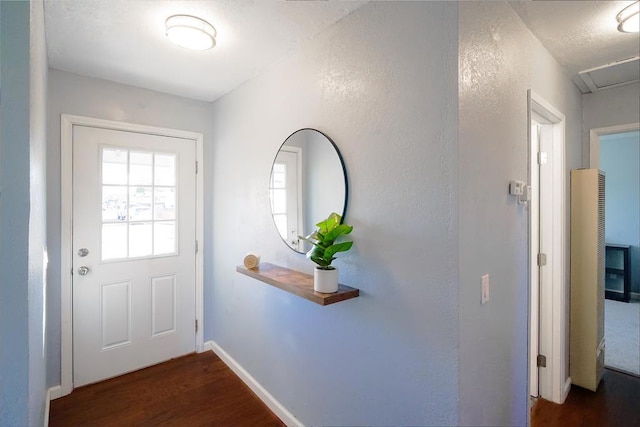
(22,214)
(499,61)
(382,84)
(14,215)
(86,96)
(611,107)
(37,216)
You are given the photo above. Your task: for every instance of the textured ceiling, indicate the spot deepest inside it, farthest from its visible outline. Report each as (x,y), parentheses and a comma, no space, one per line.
(124,40)
(579,34)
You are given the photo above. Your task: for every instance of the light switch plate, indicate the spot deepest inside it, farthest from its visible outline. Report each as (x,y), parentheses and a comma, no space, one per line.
(485,289)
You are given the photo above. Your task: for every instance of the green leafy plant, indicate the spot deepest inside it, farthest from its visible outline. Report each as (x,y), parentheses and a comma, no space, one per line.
(323,241)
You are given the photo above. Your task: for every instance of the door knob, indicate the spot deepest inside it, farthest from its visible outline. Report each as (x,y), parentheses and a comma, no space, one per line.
(83,271)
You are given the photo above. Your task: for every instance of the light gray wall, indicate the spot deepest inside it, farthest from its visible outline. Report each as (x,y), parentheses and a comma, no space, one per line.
(14,178)
(499,60)
(620,159)
(38,217)
(611,107)
(382,83)
(22,214)
(85,96)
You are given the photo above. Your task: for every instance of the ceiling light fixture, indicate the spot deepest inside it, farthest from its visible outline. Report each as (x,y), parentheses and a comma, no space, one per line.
(190,32)
(629,18)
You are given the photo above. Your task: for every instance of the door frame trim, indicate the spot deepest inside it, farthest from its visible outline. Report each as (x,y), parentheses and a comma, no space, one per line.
(534,276)
(594,140)
(67,121)
(553,305)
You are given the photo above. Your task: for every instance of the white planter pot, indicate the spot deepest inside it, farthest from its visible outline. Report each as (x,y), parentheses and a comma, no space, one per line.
(325,281)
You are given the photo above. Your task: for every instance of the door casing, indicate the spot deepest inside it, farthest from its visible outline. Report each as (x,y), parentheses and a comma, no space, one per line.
(594,140)
(67,122)
(553,300)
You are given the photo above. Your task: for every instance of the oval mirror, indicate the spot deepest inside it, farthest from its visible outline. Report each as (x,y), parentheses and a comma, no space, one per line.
(308,182)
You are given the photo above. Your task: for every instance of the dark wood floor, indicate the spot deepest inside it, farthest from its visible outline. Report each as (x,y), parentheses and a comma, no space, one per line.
(195,390)
(615,404)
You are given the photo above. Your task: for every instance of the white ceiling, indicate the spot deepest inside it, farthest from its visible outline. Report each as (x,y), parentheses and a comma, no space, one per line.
(124,40)
(579,34)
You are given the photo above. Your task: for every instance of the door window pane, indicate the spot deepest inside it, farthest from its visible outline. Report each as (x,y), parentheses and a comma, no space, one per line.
(164,203)
(114,203)
(165,169)
(279,197)
(114,166)
(114,241)
(140,168)
(279,175)
(140,203)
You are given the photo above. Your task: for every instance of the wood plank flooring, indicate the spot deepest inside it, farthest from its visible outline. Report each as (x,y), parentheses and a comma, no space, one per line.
(615,404)
(194,390)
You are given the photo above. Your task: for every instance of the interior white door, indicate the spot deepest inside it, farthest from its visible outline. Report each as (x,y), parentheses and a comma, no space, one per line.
(535,269)
(546,248)
(134,209)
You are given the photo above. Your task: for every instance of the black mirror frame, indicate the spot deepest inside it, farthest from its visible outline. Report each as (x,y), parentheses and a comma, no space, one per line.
(344,172)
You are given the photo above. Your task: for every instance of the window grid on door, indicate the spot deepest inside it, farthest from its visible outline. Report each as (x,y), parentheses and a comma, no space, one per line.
(278,190)
(139,204)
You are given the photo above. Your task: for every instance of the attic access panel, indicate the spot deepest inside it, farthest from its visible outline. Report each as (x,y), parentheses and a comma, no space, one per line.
(612,75)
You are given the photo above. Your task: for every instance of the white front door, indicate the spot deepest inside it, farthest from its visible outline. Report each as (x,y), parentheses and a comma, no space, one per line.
(134,219)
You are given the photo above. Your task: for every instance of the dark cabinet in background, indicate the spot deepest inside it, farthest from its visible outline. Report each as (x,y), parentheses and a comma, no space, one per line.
(617,274)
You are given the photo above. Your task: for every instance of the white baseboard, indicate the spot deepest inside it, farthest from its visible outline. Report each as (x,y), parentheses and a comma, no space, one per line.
(56,392)
(287,417)
(47,407)
(52,393)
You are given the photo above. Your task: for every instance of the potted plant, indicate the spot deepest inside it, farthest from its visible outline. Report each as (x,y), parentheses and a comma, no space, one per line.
(325,276)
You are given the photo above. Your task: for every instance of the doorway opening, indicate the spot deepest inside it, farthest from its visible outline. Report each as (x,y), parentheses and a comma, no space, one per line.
(548,361)
(616,151)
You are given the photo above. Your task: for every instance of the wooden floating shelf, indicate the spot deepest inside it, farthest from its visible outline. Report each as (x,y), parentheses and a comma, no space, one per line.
(297,283)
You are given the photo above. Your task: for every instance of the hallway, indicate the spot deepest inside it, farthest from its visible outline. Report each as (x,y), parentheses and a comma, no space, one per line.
(614,404)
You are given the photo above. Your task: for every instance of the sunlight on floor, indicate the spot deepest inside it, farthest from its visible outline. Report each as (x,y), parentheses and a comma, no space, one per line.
(622,335)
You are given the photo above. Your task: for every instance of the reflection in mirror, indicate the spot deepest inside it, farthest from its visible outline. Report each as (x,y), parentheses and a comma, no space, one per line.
(308,182)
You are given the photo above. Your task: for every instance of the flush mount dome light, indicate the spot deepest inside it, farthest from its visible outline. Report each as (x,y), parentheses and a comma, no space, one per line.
(629,18)
(190,32)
